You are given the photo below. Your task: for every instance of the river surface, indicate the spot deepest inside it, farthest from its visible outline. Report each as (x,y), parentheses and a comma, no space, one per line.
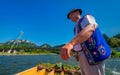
(10,65)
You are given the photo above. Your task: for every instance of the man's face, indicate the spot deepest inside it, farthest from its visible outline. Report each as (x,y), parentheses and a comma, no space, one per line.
(74,16)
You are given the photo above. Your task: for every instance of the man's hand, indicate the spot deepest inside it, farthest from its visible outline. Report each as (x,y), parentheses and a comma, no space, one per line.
(65,51)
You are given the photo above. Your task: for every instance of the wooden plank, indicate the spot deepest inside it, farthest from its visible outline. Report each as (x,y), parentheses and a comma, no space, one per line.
(41,72)
(62,73)
(30,71)
(51,72)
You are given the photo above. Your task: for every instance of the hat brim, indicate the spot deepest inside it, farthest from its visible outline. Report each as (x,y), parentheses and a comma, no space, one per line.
(72,11)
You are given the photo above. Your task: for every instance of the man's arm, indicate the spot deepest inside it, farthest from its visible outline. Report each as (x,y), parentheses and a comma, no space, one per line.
(84,34)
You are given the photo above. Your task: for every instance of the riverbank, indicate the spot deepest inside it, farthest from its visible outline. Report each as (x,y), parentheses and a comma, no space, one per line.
(113,55)
(12,54)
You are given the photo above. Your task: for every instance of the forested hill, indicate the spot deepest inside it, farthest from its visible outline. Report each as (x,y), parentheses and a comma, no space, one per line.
(113,41)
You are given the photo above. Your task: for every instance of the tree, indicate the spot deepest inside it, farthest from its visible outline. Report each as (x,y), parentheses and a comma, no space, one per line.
(106,37)
(117,36)
(1,47)
(114,42)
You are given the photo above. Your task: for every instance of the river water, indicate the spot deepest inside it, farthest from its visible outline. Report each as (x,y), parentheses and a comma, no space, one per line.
(9,65)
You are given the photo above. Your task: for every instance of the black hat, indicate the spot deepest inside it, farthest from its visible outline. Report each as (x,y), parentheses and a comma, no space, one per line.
(74,10)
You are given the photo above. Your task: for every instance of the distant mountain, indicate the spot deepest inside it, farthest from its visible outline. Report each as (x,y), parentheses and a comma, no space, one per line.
(117,36)
(1,43)
(58,46)
(49,46)
(45,46)
(21,44)
(19,41)
(26,44)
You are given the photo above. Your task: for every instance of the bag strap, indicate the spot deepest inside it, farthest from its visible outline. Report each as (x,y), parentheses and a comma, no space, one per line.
(79,25)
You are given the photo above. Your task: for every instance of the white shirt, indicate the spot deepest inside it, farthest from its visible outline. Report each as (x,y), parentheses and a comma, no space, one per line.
(88,19)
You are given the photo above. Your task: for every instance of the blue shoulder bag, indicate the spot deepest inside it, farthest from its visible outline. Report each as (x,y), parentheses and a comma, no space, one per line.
(95,48)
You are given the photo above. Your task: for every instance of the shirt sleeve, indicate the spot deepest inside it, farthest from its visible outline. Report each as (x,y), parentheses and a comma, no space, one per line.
(88,19)
(77,47)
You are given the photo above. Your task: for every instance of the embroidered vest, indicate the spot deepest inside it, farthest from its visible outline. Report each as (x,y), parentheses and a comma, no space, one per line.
(95,48)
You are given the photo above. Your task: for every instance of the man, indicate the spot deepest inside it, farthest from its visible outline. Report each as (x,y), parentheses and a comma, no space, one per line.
(88,26)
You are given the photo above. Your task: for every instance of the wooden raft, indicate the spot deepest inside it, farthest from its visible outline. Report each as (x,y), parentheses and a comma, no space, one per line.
(41,71)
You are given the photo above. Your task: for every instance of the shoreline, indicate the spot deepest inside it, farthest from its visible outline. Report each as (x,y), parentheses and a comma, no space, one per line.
(29,54)
(12,54)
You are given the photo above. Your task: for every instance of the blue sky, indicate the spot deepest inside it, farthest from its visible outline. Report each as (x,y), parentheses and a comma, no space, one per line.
(45,21)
